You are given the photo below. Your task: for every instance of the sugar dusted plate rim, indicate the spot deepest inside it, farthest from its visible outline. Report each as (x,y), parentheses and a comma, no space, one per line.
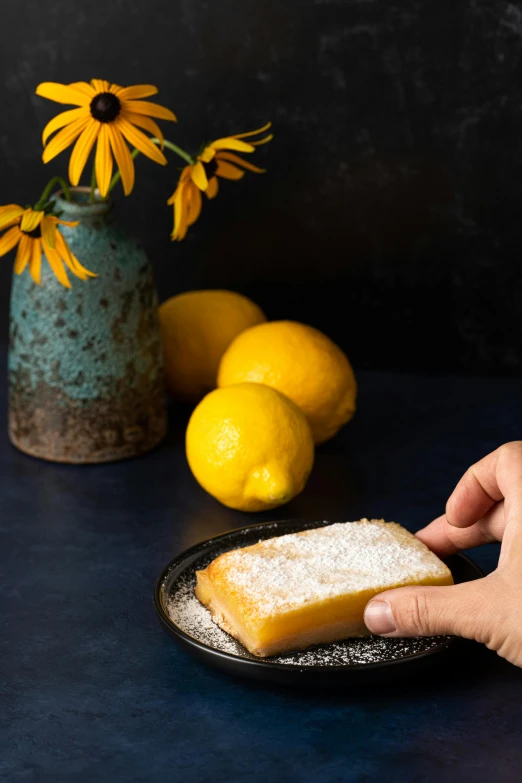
(269,668)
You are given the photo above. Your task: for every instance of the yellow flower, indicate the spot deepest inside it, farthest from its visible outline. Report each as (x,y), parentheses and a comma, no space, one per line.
(35,232)
(107,114)
(216,160)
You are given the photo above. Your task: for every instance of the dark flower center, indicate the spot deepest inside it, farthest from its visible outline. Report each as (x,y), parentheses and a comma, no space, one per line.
(36,233)
(210,168)
(105,107)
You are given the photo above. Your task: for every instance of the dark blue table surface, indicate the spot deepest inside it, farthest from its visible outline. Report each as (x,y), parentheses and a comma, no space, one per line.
(93,690)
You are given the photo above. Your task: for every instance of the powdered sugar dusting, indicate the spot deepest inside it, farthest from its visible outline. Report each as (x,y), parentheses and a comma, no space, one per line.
(194,619)
(372,649)
(191,617)
(281,573)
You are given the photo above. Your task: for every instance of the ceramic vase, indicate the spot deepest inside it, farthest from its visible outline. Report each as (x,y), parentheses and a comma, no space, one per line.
(85,363)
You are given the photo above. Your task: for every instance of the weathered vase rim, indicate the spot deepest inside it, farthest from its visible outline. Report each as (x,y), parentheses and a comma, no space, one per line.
(82,208)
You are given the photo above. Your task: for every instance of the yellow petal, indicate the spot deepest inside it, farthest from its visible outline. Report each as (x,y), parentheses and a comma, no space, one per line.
(35,264)
(213,187)
(140,141)
(48,232)
(228,171)
(232,144)
(103,161)
(174,236)
(62,93)
(84,87)
(67,257)
(123,158)
(70,223)
(194,205)
(10,206)
(76,272)
(180,210)
(56,264)
(136,91)
(183,226)
(9,214)
(252,133)
(224,155)
(199,176)
(62,119)
(9,240)
(207,155)
(150,109)
(185,173)
(182,177)
(262,141)
(70,259)
(144,122)
(82,150)
(100,85)
(23,254)
(31,220)
(64,138)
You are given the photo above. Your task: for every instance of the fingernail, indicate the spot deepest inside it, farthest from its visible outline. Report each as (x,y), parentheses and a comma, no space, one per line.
(378,617)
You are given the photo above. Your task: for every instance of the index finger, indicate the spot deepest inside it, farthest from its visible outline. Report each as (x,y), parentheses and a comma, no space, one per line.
(495,477)
(476,492)
(445,539)
(474,514)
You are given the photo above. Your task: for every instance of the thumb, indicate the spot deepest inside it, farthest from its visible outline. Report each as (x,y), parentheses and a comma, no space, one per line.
(460,610)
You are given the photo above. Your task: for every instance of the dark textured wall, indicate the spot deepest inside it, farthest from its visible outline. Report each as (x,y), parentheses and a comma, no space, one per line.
(390,213)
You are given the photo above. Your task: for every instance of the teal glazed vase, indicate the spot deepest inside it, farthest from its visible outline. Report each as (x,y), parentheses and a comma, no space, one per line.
(85,364)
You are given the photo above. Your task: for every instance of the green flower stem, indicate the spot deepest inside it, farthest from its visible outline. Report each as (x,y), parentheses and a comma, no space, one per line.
(174,147)
(168,144)
(44,198)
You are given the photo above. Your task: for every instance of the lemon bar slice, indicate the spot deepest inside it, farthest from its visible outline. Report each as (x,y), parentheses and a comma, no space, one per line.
(292,591)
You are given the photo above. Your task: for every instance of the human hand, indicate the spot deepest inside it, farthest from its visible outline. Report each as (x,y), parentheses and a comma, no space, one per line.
(485,506)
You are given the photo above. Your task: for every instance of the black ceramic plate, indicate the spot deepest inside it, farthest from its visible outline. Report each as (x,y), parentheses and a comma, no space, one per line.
(353,661)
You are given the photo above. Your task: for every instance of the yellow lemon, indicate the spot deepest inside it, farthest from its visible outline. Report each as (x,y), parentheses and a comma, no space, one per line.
(250,447)
(302,363)
(196,329)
